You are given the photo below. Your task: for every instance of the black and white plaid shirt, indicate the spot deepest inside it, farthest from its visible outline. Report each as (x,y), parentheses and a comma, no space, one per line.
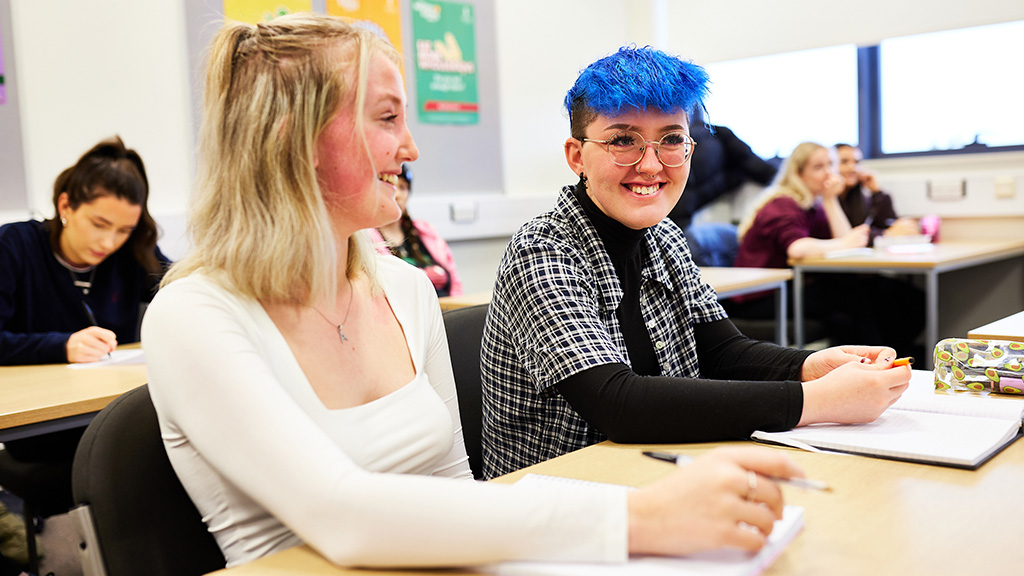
(553,315)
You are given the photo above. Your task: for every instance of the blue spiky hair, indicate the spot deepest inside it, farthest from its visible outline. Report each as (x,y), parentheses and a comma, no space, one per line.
(637,78)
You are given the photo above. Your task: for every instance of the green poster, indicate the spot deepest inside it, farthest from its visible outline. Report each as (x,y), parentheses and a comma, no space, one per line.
(445,42)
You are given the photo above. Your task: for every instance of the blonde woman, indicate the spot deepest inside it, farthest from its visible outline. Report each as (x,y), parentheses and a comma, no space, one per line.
(303,384)
(801,216)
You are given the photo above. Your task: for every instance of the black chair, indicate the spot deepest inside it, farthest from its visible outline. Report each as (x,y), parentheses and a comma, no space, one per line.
(465,329)
(133,515)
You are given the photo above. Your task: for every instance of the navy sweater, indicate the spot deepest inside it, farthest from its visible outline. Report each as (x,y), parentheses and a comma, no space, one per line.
(40,307)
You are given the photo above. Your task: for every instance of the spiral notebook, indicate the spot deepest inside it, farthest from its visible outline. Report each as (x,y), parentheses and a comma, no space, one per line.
(716,563)
(960,431)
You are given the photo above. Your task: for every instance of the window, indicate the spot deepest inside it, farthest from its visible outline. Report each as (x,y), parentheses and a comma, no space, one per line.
(938,93)
(948,90)
(775,102)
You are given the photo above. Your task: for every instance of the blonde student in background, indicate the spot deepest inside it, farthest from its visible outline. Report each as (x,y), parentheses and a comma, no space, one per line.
(303,382)
(800,216)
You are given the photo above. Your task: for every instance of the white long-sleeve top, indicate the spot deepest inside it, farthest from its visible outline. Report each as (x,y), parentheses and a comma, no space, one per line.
(386,483)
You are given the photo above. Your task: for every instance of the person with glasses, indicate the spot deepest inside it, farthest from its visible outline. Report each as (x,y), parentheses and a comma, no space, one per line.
(601,327)
(303,382)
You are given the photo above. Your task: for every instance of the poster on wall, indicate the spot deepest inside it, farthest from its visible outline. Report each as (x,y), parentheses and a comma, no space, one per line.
(382,16)
(444,36)
(256,11)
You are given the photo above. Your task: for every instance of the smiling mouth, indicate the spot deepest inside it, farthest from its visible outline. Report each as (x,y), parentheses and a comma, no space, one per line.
(644,190)
(389,178)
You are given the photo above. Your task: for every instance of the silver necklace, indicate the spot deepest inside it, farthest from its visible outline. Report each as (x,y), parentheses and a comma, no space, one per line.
(85,285)
(341,333)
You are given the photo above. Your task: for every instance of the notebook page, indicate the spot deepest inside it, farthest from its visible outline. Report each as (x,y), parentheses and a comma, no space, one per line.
(926,436)
(715,563)
(117,357)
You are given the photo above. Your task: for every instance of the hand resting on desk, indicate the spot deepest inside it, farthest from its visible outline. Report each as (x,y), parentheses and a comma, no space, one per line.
(700,506)
(849,384)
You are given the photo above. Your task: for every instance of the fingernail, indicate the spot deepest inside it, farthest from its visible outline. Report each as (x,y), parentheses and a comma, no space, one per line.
(890,358)
(863,360)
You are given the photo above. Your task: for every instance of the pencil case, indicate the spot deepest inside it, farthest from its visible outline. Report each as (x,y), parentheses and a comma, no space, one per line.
(963,364)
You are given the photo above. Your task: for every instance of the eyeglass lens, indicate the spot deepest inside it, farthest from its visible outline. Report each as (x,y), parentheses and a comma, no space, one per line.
(627,148)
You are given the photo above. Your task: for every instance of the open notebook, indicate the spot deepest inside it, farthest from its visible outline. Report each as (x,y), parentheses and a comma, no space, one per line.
(961,431)
(717,563)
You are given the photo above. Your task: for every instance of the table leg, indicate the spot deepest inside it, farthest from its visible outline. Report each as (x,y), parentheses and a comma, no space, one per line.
(931,317)
(798,307)
(781,334)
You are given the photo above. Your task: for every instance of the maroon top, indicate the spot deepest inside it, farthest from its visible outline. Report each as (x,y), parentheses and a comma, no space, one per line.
(778,224)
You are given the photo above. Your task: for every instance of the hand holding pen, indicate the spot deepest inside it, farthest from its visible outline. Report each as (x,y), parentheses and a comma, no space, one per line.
(723,498)
(92,343)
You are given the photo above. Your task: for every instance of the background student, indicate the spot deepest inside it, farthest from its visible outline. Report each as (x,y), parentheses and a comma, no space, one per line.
(863,200)
(418,243)
(801,216)
(600,325)
(722,166)
(71,286)
(318,404)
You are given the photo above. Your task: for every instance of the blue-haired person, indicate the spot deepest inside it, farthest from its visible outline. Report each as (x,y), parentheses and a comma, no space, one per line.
(600,325)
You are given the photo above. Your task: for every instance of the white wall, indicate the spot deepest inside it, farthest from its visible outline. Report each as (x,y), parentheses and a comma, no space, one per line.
(89,70)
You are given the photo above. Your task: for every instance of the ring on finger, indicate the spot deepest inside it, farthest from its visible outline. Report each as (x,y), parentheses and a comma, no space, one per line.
(751,484)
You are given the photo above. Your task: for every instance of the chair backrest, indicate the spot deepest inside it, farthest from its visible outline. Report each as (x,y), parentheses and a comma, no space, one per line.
(465,329)
(144,521)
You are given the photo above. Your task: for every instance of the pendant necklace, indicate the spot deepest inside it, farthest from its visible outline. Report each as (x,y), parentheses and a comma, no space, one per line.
(341,333)
(85,285)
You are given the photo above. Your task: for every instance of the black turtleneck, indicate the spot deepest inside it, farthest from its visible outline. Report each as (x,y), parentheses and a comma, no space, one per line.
(635,404)
(625,248)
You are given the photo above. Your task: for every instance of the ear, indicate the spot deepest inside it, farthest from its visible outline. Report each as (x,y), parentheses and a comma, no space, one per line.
(63,205)
(574,155)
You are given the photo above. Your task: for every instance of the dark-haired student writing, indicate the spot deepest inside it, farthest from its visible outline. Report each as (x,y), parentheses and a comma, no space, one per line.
(71,286)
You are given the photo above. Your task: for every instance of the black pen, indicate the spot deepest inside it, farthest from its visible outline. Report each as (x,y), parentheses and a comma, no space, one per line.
(91,316)
(680,459)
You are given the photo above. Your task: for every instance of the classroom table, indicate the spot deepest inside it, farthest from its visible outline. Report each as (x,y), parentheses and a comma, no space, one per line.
(1009,328)
(44,398)
(464,300)
(727,282)
(943,257)
(882,517)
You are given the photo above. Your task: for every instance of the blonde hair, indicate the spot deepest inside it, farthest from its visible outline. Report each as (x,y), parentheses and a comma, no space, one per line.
(259,221)
(788,183)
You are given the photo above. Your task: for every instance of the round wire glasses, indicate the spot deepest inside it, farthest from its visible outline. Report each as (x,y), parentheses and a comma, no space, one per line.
(627,148)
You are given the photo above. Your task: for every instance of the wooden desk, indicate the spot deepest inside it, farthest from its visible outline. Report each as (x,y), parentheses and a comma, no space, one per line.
(945,257)
(883,517)
(727,282)
(464,300)
(1009,328)
(49,397)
